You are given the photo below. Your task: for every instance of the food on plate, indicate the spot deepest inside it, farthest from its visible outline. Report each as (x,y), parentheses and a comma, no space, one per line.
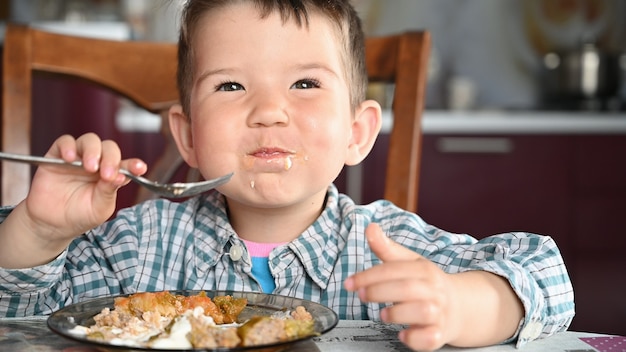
(171,321)
(260,330)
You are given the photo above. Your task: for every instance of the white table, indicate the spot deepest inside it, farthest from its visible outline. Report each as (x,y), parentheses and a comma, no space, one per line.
(366,336)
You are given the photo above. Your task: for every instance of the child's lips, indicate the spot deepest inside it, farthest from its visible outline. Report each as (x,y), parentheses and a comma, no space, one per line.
(270,159)
(269,153)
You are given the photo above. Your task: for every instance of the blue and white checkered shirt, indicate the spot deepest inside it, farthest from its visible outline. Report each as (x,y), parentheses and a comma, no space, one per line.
(163,245)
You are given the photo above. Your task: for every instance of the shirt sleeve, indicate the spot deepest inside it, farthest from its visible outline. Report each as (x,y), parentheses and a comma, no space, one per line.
(23,291)
(83,270)
(535,270)
(531,263)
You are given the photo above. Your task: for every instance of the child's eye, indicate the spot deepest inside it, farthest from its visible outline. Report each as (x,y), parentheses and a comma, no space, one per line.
(229,87)
(306,84)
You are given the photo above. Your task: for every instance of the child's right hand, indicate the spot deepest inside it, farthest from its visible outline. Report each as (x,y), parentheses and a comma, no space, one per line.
(65,202)
(437,307)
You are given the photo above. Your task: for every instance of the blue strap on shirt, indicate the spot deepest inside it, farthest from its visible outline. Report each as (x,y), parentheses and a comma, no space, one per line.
(261,272)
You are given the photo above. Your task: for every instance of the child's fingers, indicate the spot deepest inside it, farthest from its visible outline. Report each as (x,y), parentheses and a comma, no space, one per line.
(64,147)
(110,161)
(135,165)
(386,249)
(423,338)
(89,147)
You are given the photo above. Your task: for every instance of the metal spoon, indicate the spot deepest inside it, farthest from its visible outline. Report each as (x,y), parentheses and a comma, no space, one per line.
(167,190)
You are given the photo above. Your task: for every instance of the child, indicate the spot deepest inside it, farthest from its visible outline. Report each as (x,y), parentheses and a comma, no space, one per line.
(273,91)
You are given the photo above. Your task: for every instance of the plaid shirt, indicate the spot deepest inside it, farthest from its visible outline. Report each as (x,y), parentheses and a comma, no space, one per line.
(163,245)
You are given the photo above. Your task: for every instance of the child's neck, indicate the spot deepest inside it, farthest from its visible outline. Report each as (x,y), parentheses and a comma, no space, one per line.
(272,224)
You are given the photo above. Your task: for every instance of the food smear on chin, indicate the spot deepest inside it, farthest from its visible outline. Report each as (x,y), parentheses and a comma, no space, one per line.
(167,321)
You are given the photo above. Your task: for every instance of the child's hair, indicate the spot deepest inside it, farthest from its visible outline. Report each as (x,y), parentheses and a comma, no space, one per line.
(339,12)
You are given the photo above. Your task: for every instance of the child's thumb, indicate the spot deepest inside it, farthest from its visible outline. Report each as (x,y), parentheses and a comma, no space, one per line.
(385,248)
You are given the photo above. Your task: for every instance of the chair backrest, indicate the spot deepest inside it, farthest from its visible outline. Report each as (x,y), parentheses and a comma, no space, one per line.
(145,73)
(402,60)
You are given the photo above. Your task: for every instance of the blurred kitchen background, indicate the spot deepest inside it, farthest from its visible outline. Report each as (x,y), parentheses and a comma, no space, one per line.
(487,54)
(524,128)
(516,54)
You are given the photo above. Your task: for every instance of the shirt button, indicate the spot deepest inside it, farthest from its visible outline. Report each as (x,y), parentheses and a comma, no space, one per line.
(235,252)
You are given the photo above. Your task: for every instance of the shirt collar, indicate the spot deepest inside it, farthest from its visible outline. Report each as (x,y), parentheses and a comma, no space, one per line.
(213,230)
(317,247)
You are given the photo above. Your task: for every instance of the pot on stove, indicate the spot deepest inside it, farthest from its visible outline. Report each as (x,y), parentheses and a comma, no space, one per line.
(586,73)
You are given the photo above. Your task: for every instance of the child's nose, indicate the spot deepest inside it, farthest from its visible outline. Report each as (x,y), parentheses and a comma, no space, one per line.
(269,109)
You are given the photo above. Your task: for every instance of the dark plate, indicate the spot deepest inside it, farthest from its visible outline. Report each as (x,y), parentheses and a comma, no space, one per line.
(64,320)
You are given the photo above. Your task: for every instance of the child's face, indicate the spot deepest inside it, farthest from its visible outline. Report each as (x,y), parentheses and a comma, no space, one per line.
(270,102)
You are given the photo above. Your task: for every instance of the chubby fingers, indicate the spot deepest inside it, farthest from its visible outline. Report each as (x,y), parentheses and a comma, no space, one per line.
(65,148)
(393,255)
(403,276)
(88,148)
(386,249)
(97,156)
(414,285)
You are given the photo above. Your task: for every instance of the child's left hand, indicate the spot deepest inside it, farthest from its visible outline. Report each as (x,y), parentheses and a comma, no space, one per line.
(424,296)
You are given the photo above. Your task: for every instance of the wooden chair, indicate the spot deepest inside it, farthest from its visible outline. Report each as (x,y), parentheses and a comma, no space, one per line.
(145,74)
(402,60)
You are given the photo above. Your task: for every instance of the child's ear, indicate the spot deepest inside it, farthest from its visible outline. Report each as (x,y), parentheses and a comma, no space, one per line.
(365,128)
(180,127)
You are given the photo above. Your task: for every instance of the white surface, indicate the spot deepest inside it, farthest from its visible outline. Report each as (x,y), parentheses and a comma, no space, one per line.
(101,30)
(131,118)
(366,336)
(517,122)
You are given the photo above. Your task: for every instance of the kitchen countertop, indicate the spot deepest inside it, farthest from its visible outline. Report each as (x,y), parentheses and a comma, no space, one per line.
(517,122)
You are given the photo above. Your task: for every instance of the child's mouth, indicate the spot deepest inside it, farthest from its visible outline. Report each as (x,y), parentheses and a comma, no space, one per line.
(270,160)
